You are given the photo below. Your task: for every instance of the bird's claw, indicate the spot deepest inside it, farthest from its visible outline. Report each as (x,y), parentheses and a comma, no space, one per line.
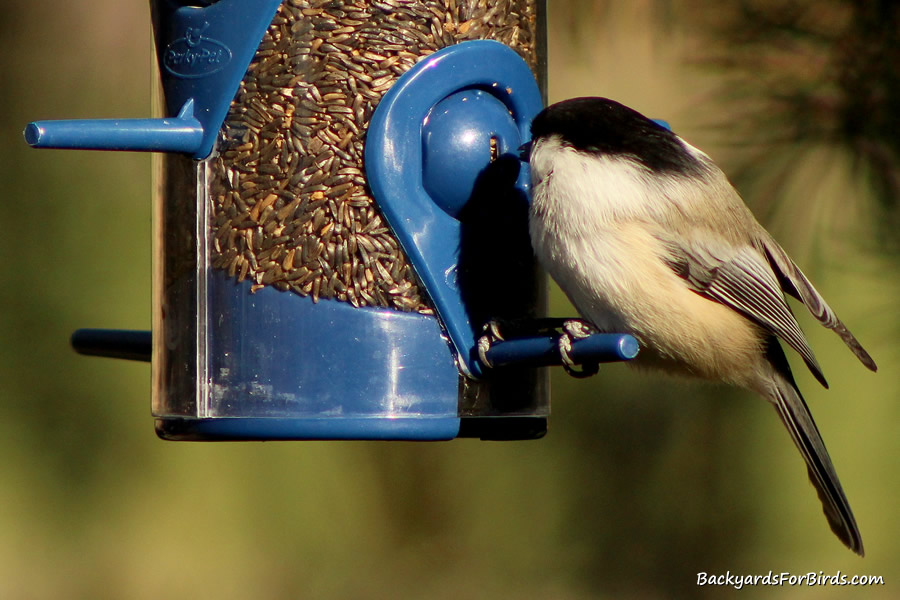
(576,329)
(490,335)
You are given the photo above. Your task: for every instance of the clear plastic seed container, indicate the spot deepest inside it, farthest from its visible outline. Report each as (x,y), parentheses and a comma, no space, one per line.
(284,304)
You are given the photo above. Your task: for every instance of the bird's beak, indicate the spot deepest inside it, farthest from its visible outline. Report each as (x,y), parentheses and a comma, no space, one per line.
(525,151)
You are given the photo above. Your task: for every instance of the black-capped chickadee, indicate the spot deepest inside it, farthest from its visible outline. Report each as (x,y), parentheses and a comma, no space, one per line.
(645,235)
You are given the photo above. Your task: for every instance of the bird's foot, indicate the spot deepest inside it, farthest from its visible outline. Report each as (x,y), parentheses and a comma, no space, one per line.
(490,335)
(568,330)
(578,328)
(572,330)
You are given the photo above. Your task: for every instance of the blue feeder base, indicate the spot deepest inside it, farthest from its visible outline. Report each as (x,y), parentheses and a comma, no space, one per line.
(246,429)
(397,429)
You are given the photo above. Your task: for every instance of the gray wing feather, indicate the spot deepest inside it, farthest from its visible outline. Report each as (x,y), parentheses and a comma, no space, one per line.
(795,283)
(743,281)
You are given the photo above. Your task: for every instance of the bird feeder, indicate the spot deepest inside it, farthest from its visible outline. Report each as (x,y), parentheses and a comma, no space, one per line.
(339,209)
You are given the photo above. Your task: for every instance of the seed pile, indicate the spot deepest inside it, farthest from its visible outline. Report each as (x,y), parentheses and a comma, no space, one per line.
(290,205)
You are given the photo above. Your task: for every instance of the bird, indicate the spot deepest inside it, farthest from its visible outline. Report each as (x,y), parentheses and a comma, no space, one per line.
(646,235)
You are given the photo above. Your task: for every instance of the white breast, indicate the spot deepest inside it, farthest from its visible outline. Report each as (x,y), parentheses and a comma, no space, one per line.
(582,215)
(595,225)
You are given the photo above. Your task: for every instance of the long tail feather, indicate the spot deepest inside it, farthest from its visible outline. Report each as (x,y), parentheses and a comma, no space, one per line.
(799,422)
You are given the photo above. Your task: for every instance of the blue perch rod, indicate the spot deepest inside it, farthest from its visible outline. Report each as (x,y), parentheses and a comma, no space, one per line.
(544,351)
(183,133)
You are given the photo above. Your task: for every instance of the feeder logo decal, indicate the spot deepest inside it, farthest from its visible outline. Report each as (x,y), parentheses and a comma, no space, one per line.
(194,56)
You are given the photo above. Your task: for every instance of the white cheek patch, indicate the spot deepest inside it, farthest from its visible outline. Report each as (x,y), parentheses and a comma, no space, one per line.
(590,187)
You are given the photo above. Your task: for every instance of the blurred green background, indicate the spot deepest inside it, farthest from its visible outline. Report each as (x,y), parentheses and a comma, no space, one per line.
(642,481)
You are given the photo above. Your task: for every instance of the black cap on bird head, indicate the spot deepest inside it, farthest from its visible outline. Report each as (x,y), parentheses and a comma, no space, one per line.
(606,127)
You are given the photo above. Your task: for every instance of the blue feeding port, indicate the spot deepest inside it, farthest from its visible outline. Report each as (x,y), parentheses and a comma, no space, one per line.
(434,133)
